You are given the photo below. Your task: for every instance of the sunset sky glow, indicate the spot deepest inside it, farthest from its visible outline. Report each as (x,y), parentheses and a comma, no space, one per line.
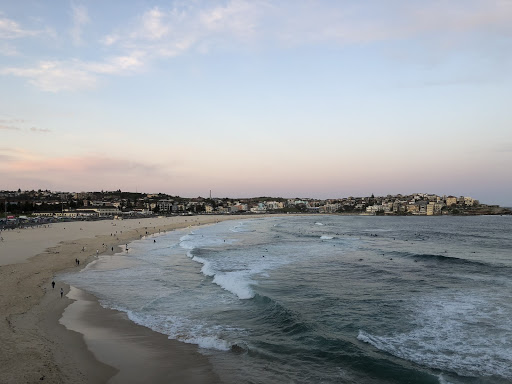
(292,98)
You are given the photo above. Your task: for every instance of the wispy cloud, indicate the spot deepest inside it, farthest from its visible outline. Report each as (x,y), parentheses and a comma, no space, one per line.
(304,22)
(154,24)
(12,150)
(11,125)
(9,128)
(55,76)
(39,130)
(504,147)
(83,172)
(6,158)
(85,165)
(73,75)
(7,49)
(19,125)
(117,65)
(204,26)
(169,32)
(10,29)
(110,39)
(80,19)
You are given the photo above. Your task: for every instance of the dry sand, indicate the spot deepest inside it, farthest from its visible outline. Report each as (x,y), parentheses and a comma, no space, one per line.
(94,345)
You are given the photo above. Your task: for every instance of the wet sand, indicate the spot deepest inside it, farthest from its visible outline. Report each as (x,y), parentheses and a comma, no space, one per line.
(139,354)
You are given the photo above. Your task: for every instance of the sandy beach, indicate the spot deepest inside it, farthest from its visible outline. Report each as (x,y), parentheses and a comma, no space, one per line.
(89,344)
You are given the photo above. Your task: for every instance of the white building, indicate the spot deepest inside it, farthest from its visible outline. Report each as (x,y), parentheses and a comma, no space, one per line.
(165,205)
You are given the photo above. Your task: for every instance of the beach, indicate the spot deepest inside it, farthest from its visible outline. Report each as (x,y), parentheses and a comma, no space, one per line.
(302,299)
(95,345)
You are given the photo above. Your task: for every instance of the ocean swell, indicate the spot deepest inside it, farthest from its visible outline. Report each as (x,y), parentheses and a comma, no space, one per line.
(447,337)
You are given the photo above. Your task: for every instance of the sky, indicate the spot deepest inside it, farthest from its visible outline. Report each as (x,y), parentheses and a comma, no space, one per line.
(288,98)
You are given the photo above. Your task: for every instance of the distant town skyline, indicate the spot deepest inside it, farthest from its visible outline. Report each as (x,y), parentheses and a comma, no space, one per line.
(87,205)
(258,98)
(57,195)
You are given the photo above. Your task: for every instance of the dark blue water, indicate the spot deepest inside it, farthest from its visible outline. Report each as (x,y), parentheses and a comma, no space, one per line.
(332,299)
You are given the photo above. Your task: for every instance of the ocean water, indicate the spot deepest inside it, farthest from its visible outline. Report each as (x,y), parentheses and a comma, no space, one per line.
(326,299)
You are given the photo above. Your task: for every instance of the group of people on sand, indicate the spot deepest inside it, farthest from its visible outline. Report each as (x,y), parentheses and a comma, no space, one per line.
(17,227)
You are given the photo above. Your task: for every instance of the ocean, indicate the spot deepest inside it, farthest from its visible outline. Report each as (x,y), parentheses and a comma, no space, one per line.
(325,299)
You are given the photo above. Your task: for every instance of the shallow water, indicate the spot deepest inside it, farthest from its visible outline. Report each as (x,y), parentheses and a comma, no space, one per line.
(331,299)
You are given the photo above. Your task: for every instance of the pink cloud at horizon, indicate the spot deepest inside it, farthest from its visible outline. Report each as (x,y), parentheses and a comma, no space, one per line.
(194,175)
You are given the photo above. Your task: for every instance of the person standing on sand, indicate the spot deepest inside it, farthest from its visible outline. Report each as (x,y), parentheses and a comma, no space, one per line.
(61,292)
(53,284)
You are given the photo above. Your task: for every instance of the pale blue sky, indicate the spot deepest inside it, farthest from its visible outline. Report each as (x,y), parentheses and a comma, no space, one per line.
(282,98)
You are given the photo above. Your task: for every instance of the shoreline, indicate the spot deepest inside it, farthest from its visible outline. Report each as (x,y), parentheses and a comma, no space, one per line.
(132,353)
(35,345)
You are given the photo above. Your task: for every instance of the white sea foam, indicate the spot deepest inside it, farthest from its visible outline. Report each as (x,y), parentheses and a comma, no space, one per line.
(91,265)
(192,241)
(462,334)
(209,342)
(181,329)
(207,266)
(442,379)
(318,223)
(237,282)
(325,237)
(187,241)
(241,227)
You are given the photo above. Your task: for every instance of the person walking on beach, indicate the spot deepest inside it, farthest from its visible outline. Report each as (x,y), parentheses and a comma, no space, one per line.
(53,284)
(61,292)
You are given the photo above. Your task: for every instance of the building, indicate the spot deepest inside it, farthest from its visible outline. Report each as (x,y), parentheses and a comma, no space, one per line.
(375,208)
(430,208)
(413,208)
(88,213)
(45,214)
(102,211)
(165,205)
(468,201)
(451,200)
(274,205)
